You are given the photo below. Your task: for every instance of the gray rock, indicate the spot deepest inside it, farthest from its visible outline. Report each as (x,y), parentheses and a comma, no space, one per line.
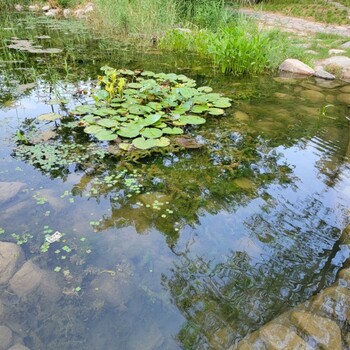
(67,13)
(6,337)
(337,62)
(33,8)
(46,8)
(9,190)
(320,73)
(345,98)
(325,332)
(18,8)
(18,347)
(346,89)
(241,117)
(295,66)
(33,282)
(335,51)
(345,45)
(11,258)
(52,12)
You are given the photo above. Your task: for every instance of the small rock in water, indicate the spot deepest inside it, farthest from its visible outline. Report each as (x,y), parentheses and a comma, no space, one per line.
(9,190)
(11,258)
(292,65)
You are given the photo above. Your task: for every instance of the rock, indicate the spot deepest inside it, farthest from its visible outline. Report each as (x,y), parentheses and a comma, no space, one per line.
(18,347)
(320,73)
(335,51)
(346,89)
(312,52)
(295,66)
(330,98)
(9,190)
(283,96)
(33,8)
(333,302)
(344,278)
(310,86)
(241,117)
(337,65)
(325,332)
(33,282)
(6,337)
(88,8)
(52,12)
(278,337)
(345,74)
(67,13)
(345,98)
(11,258)
(345,45)
(80,13)
(46,8)
(313,96)
(345,236)
(18,8)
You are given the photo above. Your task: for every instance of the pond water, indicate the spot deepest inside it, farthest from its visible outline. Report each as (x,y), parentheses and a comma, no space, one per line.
(187,250)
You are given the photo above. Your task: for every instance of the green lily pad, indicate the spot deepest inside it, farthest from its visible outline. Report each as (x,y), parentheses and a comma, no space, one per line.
(102,112)
(129,132)
(147,73)
(150,119)
(155,105)
(163,142)
(106,135)
(102,94)
(191,119)
(173,131)
(135,85)
(126,72)
(49,117)
(84,109)
(142,143)
(181,110)
(205,89)
(125,146)
(216,111)
(199,109)
(222,103)
(151,133)
(90,118)
(108,123)
(137,110)
(93,129)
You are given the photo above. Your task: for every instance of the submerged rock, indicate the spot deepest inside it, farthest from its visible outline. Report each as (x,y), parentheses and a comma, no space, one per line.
(18,347)
(33,282)
(9,190)
(6,337)
(292,65)
(11,258)
(312,95)
(345,98)
(241,117)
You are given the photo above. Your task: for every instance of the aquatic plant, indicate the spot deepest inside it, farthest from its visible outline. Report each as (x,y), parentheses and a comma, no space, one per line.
(137,110)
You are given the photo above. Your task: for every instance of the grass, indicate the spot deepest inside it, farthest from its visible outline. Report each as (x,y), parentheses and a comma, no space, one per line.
(320,11)
(239,47)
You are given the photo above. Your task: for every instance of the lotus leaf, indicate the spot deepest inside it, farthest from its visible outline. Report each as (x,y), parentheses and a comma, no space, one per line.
(163,142)
(102,112)
(135,85)
(106,135)
(212,97)
(148,74)
(187,92)
(172,131)
(49,117)
(150,119)
(205,89)
(93,129)
(137,110)
(222,103)
(84,109)
(151,133)
(199,109)
(191,119)
(90,118)
(108,123)
(160,125)
(216,111)
(102,94)
(130,132)
(142,143)
(180,110)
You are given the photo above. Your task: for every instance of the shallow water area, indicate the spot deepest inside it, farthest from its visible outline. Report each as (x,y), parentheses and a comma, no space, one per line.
(187,250)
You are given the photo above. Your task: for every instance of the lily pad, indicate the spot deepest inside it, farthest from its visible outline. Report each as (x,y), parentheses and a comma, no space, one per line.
(142,143)
(135,85)
(199,109)
(216,111)
(191,119)
(108,123)
(222,103)
(163,142)
(106,135)
(93,129)
(152,133)
(129,132)
(205,89)
(49,117)
(173,131)
(150,119)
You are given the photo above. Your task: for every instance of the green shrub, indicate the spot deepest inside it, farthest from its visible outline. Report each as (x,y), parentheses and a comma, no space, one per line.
(67,3)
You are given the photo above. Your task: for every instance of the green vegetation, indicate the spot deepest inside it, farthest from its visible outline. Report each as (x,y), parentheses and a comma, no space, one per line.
(238,48)
(321,11)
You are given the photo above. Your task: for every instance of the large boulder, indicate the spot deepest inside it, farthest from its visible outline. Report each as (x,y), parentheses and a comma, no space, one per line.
(11,258)
(295,66)
(18,347)
(32,282)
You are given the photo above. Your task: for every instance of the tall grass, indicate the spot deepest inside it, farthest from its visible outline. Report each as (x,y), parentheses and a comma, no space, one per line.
(147,17)
(238,48)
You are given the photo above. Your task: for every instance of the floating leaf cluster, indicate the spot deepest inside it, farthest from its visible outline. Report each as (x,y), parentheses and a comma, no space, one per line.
(143,110)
